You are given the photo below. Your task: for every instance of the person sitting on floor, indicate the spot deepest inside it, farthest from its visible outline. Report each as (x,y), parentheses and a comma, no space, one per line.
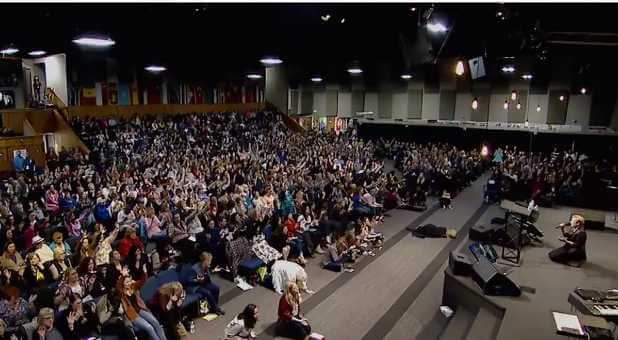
(286,271)
(291,322)
(198,280)
(574,248)
(241,327)
(445,200)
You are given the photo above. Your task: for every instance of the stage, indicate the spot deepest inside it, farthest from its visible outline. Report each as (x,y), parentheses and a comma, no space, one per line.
(546,284)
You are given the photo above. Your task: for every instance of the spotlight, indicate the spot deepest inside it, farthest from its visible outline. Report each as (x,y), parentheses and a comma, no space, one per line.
(355,70)
(325,17)
(155,68)
(436,27)
(271,61)
(538,108)
(94,41)
(254,76)
(459,68)
(526,76)
(506,104)
(499,14)
(475,104)
(316,79)
(518,106)
(342,20)
(561,98)
(406,76)
(36,53)
(413,9)
(583,90)
(513,95)
(508,69)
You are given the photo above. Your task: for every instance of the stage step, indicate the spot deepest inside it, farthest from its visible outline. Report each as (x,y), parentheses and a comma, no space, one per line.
(484,326)
(458,325)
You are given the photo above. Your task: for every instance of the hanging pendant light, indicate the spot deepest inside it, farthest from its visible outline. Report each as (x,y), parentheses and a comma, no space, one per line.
(538,108)
(513,95)
(475,104)
(518,106)
(506,104)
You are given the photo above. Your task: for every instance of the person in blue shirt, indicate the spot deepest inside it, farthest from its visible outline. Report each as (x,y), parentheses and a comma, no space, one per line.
(19,162)
(197,280)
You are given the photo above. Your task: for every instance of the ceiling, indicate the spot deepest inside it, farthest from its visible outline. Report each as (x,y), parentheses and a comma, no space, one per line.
(224,41)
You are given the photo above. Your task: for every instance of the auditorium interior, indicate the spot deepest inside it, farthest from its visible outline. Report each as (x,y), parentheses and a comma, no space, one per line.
(333,171)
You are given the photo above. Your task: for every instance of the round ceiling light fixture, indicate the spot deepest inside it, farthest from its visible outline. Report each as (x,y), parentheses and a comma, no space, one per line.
(254,76)
(94,41)
(271,61)
(155,68)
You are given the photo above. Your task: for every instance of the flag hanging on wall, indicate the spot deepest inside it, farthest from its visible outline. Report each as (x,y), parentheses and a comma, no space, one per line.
(112,94)
(124,94)
(88,96)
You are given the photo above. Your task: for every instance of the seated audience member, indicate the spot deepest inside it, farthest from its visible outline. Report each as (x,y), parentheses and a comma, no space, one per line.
(15,310)
(130,239)
(42,250)
(135,310)
(166,304)
(574,239)
(139,266)
(78,321)
(58,266)
(291,322)
(111,317)
(71,284)
(43,327)
(59,243)
(286,271)
(241,327)
(34,275)
(198,280)
(12,260)
(445,200)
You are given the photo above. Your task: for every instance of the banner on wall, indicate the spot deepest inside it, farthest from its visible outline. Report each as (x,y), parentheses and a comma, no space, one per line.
(134,94)
(88,96)
(124,94)
(154,95)
(112,94)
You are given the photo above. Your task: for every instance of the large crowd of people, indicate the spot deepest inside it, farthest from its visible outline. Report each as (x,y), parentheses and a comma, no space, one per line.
(238,194)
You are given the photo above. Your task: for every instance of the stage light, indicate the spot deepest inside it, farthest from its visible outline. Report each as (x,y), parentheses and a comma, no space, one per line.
(561,98)
(475,104)
(459,68)
(355,70)
(583,90)
(484,151)
(499,14)
(508,69)
(155,68)
(413,9)
(94,41)
(9,50)
(514,95)
(254,76)
(325,17)
(526,76)
(518,106)
(271,61)
(506,104)
(538,108)
(436,27)
(316,79)
(36,53)
(406,76)
(342,20)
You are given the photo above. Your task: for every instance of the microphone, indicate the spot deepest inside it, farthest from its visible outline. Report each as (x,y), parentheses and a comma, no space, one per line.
(563,225)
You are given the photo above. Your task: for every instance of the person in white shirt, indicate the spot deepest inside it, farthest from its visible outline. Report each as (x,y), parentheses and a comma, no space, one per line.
(241,327)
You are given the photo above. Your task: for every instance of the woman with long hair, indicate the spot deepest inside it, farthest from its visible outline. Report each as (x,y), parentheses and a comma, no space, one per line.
(291,322)
(166,303)
(71,284)
(135,309)
(138,264)
(241,327)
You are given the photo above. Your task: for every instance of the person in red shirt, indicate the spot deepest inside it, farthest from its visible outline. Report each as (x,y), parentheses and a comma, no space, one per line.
(291,323)
(296,243)
(130,239)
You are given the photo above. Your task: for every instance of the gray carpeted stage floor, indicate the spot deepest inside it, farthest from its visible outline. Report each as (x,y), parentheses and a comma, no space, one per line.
(396,294)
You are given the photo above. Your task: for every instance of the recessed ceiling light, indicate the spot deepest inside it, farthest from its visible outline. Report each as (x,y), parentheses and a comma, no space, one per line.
(325,17)
(342,20)
(355,70)
(316,79)
(526,76)
(36,53)
(93,41)
(583,90)
(561,98)
(254,76)
(155,68)
(406,76)
(508,69)
(413,9)
(9,50)
(271,61)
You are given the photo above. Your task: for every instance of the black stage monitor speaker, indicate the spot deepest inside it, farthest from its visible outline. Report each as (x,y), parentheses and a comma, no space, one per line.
(460,264)
(481,233)
(493,282)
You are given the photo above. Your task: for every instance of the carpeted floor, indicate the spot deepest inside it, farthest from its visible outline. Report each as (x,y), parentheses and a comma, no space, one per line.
(396,294)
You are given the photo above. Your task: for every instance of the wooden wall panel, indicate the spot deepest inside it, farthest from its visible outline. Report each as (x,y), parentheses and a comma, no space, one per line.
(33,145)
